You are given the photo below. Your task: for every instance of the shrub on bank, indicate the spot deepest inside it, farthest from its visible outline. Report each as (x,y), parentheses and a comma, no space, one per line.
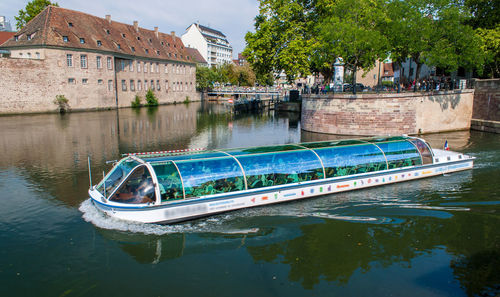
(137,102)
(151,99)
(62,102)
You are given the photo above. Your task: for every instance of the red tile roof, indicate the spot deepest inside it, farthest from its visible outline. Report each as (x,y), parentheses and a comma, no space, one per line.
(4,36)
(196,56)
(52,25)
(388,70)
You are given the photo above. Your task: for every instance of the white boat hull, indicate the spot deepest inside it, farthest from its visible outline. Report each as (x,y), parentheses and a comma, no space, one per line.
(181,210)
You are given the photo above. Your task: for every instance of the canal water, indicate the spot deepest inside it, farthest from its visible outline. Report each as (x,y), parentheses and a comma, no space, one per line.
(433,237)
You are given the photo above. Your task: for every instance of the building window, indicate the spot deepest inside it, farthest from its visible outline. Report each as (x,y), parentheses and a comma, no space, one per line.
(145,85)
(152,85)
(131,66)
(83,61)
(152,69)
(99,43)
(147,51)
(166,85)
(139,85)
(29,55)
(145,67)
(100,81)
(82,40)
(98,62)
(124,85)
(118,46)
(110,85)
(157,67)
(37,55)
(16,38)
(85,81)
(107,31)
(29,36)
(138,38)
(69,60)
(138,66)
(166,68)
(65,38)
(132,85)
(71,81)
(122,65)
(70,24)
(123,35)
(157,52)
(158,85)
(110,63)
(133,49)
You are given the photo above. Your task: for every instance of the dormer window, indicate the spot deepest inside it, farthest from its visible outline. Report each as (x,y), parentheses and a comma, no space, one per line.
(133,49)
(70,25)
(118,46)
(170,54)
(30,36)
(176,55)
(147,51)
(175,45)
(107,31)
(82,40)
(158,53)
(16,38)
(123,35)
(138,38)
(99,43)
(65,38)
(150,41)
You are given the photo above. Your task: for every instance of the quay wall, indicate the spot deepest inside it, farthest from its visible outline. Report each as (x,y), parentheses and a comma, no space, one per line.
(486,112)
(31,85)
(382,114)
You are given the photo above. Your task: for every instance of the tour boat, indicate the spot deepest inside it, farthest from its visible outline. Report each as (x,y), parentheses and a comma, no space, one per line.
(169,187)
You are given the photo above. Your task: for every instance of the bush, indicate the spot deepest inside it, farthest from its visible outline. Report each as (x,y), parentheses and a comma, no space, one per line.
(387,83)
(62,102)
(137,102)
(186,101)
(151,99)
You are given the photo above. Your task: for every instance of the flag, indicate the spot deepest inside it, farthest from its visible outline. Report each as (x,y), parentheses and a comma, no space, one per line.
(446,148)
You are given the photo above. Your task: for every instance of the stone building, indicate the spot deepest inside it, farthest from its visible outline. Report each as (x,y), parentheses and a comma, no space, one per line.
(212,44)
(96,63)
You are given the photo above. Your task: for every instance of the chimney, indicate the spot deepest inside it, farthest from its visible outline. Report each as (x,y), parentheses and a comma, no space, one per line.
(108,18)
(173,34)
(136,26)
(156,32)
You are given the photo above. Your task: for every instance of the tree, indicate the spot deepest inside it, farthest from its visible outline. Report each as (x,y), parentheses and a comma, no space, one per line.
(32,9)
(432,32)
(352,32)
(283,38)
(490,46)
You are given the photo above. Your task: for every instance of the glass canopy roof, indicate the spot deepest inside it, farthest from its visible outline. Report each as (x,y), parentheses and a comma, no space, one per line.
(182,176)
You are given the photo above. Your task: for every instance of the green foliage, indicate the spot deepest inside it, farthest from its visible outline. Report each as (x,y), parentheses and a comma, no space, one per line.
(62,103)
(490,45)
(151,99)
(207,78)
(387,83)
(137,102)
(32,9)
(351,31)
(186,101)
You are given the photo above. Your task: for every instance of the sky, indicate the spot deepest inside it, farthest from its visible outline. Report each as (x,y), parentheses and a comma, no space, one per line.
(234,18)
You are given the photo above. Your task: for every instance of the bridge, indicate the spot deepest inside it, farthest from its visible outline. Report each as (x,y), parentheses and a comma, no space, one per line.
(253,91)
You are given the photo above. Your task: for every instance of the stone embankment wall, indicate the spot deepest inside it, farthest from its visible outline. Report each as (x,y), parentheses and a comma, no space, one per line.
(383,114)
(486,113)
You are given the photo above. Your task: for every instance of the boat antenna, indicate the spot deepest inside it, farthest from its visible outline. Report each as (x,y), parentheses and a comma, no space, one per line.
(90,173)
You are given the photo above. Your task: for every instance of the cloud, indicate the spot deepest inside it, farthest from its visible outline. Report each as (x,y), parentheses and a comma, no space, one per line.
(232,17)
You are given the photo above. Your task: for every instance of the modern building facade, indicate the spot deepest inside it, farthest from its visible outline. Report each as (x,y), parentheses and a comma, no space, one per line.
(212,44)
(94,62)
(4,24)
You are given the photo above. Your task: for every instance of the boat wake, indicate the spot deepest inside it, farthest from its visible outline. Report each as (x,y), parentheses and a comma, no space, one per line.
(209,225)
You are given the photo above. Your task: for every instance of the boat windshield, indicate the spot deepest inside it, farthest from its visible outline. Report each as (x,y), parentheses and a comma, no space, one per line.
(116,176)
(138,188)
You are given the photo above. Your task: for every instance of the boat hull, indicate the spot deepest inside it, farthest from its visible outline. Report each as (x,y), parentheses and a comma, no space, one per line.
(182,210)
